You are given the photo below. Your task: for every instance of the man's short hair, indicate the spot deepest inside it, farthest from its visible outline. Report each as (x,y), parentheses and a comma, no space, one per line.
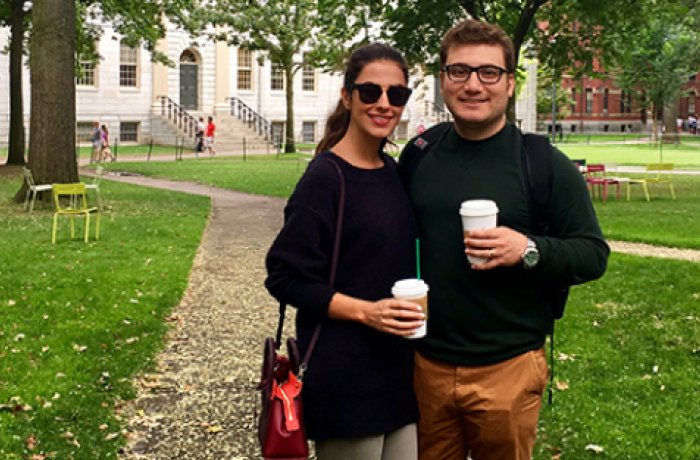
(472,32)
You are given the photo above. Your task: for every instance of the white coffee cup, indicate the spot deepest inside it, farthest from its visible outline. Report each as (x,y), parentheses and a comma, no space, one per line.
(416,291)
(478,215)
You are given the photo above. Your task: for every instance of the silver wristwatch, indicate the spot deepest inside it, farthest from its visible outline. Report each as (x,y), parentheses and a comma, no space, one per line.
(530,256)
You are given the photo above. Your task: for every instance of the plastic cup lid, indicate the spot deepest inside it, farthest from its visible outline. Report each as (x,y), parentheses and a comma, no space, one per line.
(409,288)
(474,208)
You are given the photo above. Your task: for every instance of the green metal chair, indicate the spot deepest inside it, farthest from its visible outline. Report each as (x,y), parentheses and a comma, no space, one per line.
(71,201)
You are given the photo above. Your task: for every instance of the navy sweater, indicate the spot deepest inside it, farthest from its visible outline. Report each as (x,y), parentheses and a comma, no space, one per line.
(359,381)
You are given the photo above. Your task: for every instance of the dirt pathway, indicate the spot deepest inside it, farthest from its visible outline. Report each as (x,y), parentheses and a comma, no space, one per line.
(199,403)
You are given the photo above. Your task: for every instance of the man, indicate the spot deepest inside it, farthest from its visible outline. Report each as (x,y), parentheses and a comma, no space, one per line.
(481,370)
(96,138)
(199,136)
(209,136)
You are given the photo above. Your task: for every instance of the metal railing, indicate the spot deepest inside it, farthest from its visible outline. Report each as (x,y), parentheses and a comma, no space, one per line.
(178,116)
(253,119)
(436,113)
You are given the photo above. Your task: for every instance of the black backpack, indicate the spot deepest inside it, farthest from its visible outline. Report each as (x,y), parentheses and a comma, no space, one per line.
(536,157)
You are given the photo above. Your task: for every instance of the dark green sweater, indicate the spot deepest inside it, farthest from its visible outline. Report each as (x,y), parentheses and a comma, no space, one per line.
(484,317)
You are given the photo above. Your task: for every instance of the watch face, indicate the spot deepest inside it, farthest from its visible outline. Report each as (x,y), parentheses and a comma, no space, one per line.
(531,257)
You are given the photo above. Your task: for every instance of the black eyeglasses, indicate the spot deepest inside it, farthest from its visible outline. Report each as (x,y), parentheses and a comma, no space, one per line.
(371,92)
(488,74)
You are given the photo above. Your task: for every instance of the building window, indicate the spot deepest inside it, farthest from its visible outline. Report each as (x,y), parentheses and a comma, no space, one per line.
(625,102)
(573,100)
(691,103)
(308,131)
(245,69)
(87,74)
(589,100)
(277,78)
(129,131)
(83,131)
(606,95)
(308,80)
(128,66)
(278,132)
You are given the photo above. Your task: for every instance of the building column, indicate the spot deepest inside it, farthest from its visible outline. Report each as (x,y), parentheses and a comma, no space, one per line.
(222,72)
(160,73)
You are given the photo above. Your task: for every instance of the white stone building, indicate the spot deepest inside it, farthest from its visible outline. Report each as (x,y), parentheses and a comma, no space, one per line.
(140,101)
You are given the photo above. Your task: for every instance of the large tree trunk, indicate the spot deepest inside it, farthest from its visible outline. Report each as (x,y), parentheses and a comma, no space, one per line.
(289,145)
(671,134)
(15,154)
(52,64)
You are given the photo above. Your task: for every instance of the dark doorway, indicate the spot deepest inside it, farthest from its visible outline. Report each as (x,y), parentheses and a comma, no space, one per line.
(189,70)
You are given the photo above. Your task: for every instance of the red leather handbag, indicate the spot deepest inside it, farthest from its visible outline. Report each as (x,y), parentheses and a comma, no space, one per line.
(281,429)
(281,425)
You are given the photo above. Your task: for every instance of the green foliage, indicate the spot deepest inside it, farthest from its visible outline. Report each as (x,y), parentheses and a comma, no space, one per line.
(140,22)
(77,320)
(663,53)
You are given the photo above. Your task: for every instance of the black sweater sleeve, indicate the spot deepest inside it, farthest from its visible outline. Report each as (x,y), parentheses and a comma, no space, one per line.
(576,251)
(298,262)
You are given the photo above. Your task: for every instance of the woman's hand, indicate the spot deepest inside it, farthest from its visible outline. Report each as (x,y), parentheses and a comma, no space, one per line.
(393,316)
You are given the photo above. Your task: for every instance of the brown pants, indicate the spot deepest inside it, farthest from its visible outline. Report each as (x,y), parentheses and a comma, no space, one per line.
(488,412)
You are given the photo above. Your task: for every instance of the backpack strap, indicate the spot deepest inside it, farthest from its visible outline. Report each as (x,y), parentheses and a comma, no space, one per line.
(537,169)
(417,147)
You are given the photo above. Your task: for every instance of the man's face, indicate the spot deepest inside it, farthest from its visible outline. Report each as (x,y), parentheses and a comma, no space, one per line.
(478,108)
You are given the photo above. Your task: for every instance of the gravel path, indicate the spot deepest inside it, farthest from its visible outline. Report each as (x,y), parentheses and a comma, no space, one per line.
(200,402)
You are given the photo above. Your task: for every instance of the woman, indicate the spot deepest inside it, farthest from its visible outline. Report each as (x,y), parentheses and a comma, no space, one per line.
(358,397)
(106,151)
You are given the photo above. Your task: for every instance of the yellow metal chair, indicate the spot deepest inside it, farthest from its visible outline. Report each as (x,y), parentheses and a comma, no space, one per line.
(655,173)
(71,200)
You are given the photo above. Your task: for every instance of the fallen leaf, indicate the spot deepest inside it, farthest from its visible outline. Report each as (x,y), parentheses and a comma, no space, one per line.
(11,303)
(561,385)
(111,436)
(30,442)
(214,429)
(595,448)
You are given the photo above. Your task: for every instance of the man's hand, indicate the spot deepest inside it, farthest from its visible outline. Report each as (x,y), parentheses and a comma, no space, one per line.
(500,246)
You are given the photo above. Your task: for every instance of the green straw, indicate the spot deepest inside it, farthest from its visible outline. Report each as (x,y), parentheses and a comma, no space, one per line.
(417,258)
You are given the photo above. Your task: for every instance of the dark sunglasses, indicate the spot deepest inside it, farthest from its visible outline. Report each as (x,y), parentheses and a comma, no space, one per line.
(371,92)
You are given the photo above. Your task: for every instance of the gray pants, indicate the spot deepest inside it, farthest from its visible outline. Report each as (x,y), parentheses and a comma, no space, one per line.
(401,444)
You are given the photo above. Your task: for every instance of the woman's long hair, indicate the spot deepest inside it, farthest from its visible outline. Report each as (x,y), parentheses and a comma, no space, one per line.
(339,120)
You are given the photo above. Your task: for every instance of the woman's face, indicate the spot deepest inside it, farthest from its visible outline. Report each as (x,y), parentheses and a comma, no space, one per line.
(376,118)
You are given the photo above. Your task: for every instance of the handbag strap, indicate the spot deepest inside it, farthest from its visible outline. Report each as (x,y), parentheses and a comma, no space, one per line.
(331,276)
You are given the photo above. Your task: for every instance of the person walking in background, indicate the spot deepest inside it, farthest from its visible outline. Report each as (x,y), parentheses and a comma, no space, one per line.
(481,370)
(358,398)
(692,123)
(199,135)
(96,139)
(209,136)
(105,152)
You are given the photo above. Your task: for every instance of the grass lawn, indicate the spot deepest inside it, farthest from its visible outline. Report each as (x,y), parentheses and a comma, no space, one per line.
(682,156)
(629,358)
(78,320)
(661,221)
